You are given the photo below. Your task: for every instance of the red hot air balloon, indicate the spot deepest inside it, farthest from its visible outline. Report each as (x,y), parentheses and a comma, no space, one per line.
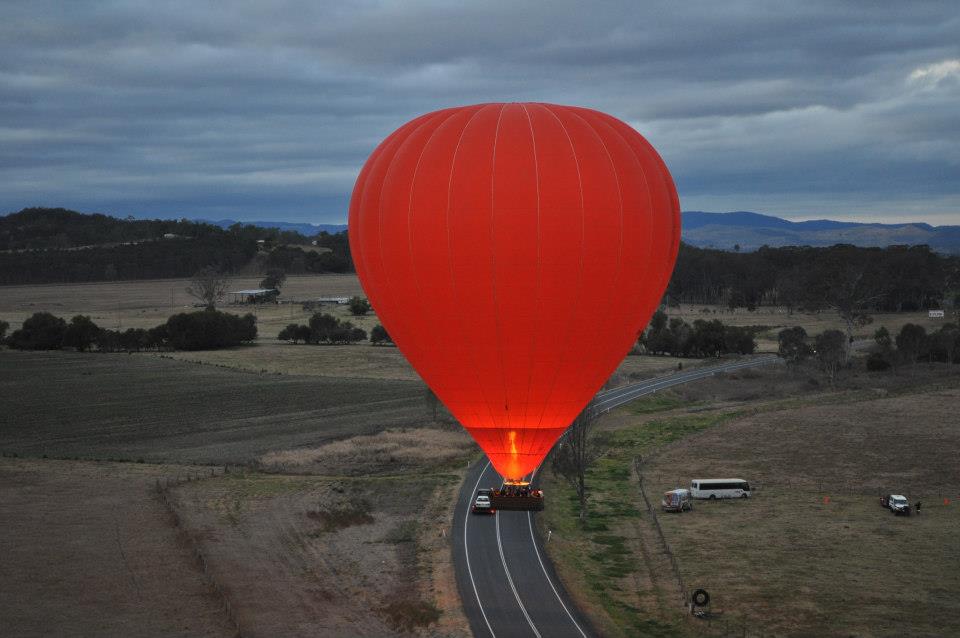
(514,252)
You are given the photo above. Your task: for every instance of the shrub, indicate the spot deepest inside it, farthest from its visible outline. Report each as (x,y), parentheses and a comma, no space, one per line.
(793,345)
(378,335)
(910,341)
(135,339)
(81,333)
(406,615)
(42,331)
(325,328)
(290,333)
(209,329)
(878,361)
(359,306)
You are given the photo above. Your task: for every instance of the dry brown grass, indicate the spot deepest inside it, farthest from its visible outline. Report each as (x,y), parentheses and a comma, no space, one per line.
(144,304)
(88,551)
(387,452)
(309,555)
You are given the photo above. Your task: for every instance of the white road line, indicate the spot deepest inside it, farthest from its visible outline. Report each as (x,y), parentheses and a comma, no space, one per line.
(544,567)
(510,580)
(547,576)
(466,551)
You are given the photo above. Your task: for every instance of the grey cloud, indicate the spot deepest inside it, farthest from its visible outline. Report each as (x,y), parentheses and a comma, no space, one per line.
(255,108)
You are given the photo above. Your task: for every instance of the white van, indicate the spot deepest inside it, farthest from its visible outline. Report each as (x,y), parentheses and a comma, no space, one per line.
(719,488)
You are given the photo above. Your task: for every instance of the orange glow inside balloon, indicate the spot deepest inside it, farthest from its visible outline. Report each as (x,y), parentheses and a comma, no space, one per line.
(514,252)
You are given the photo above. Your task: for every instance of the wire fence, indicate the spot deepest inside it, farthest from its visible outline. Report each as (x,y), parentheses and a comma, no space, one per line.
(713,621)
(162,488)
(664,544)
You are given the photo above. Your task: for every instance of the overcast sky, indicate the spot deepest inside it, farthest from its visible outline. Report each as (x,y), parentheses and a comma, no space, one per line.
(267,110)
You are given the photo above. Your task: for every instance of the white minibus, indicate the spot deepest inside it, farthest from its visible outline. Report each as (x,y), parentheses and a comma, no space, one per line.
(719,488)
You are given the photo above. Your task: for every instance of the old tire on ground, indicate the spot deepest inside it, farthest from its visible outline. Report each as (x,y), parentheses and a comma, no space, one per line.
(700,598)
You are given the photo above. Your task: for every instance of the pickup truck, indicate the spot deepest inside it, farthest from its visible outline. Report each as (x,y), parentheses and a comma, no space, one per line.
(896,503)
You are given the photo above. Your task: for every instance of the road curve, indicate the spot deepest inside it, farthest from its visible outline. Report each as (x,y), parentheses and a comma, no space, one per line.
(507,584)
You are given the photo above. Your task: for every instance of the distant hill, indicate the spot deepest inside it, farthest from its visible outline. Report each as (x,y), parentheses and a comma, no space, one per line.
(746,229)
(753,230)
(308,230)
(52,245)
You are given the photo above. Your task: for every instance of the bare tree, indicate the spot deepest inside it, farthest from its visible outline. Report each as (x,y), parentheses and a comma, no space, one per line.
(433,404)
(831,348)
(208,285)
(575,452)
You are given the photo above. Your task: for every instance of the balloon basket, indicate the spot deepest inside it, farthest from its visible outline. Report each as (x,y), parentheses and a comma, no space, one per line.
(517,496)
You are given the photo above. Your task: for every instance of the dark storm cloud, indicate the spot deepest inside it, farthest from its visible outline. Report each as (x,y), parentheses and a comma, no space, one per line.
(256,110)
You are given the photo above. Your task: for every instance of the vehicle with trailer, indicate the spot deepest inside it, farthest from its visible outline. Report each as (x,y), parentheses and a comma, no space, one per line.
(713,489)
(677,500)
(896,503)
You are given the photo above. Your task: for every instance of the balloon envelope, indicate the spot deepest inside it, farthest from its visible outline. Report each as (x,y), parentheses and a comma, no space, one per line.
(514,252)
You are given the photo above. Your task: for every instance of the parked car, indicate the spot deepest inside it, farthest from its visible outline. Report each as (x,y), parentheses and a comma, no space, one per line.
(896,503)
(677,500)
(481,505)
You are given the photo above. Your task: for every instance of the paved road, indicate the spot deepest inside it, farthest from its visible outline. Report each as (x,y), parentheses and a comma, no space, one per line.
(506,583)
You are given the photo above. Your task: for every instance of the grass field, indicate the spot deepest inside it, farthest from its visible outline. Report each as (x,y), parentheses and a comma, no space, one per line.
(141,407)
(786,562)
(336,525)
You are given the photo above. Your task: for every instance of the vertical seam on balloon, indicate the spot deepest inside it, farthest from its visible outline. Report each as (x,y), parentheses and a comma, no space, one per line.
(613,288)
(386,172)
(614,125)
(413,183)
(536,302)
(576,160)
(453,284)
(493,267)
(661,176)
(390,144)
(355,233)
